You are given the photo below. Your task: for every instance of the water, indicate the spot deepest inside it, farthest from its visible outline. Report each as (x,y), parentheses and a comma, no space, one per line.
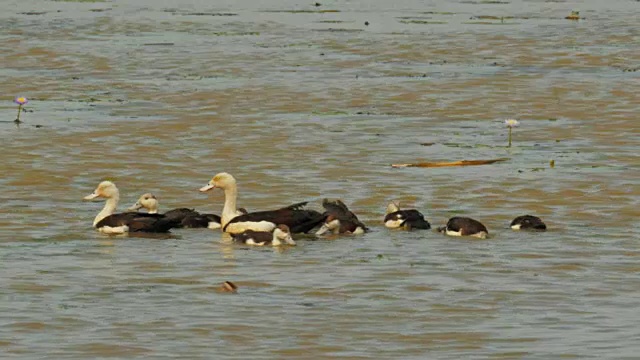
(160,96)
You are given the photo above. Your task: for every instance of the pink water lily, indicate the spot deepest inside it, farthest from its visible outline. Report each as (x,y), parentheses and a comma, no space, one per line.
(21,100)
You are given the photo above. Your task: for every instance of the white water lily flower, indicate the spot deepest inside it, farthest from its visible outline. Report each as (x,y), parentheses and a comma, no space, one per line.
(511,123)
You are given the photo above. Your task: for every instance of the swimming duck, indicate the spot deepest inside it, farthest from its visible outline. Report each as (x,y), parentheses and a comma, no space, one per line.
(189,218)
(407,219)
(464,226)
(294,216)
(528,222)
(109,223)
(340,220)
(281,235)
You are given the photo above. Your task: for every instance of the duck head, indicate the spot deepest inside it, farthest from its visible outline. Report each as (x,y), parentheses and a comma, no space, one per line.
(105,189)
(282,234)
(221,180)
(393,207)
(331,224)
(147,201)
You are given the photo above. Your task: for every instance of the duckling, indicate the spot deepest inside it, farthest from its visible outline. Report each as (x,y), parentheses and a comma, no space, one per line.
(281,235)
(406,219)
(340,220)
(464,226)
(528,222)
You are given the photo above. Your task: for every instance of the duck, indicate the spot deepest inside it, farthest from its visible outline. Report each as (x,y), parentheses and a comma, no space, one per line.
(281,235)
(298,219)
(340,220)
(528,222)
(409,219)
(464,226)
(189,218)
(121,223)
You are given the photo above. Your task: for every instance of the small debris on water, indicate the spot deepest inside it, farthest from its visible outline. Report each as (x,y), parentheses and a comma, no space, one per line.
(228,287)
(575,15)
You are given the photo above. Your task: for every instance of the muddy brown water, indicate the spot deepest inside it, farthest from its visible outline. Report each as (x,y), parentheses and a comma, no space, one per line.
(302,102)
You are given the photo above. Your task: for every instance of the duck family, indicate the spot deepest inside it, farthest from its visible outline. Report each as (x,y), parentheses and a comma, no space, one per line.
(109,222)
(271,227)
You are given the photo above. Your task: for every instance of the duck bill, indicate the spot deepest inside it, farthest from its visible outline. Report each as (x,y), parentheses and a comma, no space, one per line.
(135,207)
(289,240)
(92,196)
(207,188)
(323,229)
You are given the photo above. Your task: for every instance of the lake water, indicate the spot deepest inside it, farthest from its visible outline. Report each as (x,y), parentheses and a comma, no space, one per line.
(302,102)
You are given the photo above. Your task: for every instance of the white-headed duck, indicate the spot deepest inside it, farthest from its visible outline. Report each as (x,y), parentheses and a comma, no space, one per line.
(297,219)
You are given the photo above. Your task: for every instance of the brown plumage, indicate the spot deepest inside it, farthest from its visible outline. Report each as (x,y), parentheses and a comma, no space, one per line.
(464,226)
(340,220)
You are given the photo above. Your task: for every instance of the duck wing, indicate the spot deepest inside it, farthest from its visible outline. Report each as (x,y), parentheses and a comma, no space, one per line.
(139,222)
(122,219)
(181,213)
(199,220)
(298,220)
(160,225)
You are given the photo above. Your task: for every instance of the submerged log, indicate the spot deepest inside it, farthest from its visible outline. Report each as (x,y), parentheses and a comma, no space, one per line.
(450,163)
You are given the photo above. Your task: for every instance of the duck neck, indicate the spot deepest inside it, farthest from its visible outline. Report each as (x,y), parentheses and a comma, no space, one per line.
(108,209)
(229,210)
(153,210)
(275,241)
